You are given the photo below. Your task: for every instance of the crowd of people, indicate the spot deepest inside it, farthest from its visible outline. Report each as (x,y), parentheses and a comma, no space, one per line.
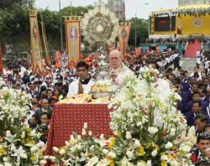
(161,40)
(194,89)
(56,84)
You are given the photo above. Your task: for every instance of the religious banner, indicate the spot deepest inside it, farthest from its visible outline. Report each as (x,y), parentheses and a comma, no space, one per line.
(64,61)
(35,42)
(124,34)
(1,63)
(73,40)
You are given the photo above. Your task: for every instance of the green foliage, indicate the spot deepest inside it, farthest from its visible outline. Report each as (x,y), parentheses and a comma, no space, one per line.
(141,31)
(8,3)
(15,27)
(79,11)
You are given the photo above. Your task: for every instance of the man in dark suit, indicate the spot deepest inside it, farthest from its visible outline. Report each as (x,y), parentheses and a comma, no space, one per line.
(195,97)
(200,122)
(203,94)
(43,108)
(190,116)
(185,81)
(193,88)
(198,152)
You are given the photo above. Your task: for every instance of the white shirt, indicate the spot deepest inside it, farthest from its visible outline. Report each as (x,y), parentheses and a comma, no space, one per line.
(198,61)
(206,64)
(73,87)
(200,76)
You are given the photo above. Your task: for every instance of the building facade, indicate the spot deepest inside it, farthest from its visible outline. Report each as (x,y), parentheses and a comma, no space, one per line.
(118,7)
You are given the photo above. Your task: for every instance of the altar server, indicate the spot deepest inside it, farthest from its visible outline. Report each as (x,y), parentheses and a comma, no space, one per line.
(84,82)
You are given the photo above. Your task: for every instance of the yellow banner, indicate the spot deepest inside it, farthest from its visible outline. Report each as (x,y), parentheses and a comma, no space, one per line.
(193,25)
(124,34)
(73,40)
(35,42)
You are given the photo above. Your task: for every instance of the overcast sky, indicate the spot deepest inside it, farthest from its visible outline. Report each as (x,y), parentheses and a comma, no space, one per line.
(131,5)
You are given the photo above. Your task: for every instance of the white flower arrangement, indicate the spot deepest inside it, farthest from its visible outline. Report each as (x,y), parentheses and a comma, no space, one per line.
(14,104)
(148,129)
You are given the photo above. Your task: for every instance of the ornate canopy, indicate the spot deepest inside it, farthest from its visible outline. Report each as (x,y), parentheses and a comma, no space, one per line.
(100,26)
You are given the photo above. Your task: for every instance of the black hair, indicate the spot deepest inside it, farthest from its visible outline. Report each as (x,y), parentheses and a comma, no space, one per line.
(207,126)
(203,163)
(179,68)
(51,99)
(204,90)
(194,84)
(199,103)
(83,64)
(196,74)
(185,72)
(202,118)
(195,93)
(43,88)
(177,80)
(48,115)
(65,88)
(203,136)
(58,84)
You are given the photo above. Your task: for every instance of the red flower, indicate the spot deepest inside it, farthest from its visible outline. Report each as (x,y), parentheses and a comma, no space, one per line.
(194,158)
(152,74)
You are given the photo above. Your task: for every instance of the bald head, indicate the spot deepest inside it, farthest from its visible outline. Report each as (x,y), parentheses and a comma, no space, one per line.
(115,59)
(115,53)
(44,103)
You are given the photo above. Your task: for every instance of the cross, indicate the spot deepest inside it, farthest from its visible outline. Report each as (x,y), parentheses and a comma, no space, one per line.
(64,60)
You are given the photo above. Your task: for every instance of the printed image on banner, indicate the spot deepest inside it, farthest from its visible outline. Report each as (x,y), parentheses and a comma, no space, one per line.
(198,25)
(73,41)
(64,61)
(124,34)
(35,43)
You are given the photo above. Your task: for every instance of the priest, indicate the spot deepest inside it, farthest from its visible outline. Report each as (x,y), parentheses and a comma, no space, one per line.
(117,70)
(84,82)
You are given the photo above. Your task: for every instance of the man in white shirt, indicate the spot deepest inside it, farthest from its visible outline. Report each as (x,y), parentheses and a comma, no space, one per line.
(84,83)
(196,70)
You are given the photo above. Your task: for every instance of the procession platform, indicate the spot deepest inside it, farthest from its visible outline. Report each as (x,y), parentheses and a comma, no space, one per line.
(68,118)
